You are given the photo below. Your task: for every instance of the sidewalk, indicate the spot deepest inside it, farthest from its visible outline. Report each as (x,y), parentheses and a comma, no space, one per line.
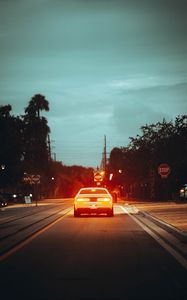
(172,213)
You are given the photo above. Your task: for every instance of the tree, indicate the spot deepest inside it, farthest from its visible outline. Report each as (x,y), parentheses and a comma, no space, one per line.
(36,104)
(11,150)
(116,159)
(158,143)
(36,130)
(5,110)
(65,181)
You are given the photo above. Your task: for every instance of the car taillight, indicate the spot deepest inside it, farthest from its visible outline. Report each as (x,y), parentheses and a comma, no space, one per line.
(104,199)
(82,199)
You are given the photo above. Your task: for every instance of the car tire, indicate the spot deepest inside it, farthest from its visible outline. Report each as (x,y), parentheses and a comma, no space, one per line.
(76,213)
(111,213)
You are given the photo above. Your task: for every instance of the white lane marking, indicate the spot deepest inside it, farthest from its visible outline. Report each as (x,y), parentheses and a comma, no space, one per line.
(167,247)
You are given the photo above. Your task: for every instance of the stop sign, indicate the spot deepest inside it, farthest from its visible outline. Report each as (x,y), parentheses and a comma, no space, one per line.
(164,170)
(98,177)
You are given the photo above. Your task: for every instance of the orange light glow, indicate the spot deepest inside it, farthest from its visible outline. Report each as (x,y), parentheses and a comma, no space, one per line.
(82,199)
(104,199)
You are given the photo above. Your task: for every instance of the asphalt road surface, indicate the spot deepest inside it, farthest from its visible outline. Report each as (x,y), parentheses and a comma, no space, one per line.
(92,257)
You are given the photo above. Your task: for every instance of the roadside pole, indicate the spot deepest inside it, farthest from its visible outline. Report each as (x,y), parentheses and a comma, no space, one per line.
(36,194)
(34,181)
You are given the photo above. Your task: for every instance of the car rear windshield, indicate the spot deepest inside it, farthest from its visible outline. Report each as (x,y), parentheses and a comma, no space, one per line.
(93,191)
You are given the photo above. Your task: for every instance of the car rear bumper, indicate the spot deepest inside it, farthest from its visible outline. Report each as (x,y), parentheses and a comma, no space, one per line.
(88,210)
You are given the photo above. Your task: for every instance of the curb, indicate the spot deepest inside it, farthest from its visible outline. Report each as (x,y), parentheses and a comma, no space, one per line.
(181,235)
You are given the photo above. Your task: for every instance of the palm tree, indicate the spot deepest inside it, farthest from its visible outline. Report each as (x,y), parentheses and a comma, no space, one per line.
(36,131)
(36,104)
(5,110)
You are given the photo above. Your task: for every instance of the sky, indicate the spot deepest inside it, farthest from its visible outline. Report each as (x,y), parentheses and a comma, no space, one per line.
(107,67)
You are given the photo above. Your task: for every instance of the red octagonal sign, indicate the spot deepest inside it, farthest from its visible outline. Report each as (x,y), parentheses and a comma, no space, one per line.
(164,170)
(98,177)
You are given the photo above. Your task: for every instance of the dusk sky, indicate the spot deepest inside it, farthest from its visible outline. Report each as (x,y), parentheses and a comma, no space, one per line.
(106,67)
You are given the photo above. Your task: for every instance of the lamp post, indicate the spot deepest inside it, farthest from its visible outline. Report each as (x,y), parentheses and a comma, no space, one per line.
(53,188)
(2,170)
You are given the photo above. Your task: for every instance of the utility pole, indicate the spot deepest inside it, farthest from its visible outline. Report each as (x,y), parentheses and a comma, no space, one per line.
(103,165)
(104,156)
(49,147)
(54,155)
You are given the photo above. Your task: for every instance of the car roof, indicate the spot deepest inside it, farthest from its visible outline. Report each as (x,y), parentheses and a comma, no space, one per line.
(93,188)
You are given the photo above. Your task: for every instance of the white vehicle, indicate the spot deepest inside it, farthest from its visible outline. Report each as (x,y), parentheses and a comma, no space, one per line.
(93,200)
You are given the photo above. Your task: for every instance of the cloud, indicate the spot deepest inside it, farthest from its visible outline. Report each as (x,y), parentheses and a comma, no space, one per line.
(106,66)
(146,81)
(142,106)
(134,82)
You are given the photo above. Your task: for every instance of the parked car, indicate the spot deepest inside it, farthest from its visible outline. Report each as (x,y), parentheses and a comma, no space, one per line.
(183,192)
(3,202)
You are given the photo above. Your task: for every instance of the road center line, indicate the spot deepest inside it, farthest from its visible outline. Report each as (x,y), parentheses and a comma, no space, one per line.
(30,238)
(167,247)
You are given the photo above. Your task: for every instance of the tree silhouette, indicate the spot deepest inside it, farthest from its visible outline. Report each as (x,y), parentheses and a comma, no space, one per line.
(163,142)
(36,104)
(36,131)
(5,110)
(11,149)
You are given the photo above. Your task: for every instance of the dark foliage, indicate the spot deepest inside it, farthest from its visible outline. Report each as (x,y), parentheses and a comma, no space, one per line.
(163,142)
(25,150)
(11,150)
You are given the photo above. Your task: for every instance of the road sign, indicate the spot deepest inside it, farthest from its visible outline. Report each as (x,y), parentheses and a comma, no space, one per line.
(36,178)
(164,170)
(31,179)
(98,177)
(27,199)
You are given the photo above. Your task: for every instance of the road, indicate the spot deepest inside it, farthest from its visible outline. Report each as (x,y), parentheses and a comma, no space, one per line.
(92,257)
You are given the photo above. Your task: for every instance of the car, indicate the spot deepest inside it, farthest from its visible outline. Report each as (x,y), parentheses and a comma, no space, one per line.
(183,192)
(3,202)
(93,200)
